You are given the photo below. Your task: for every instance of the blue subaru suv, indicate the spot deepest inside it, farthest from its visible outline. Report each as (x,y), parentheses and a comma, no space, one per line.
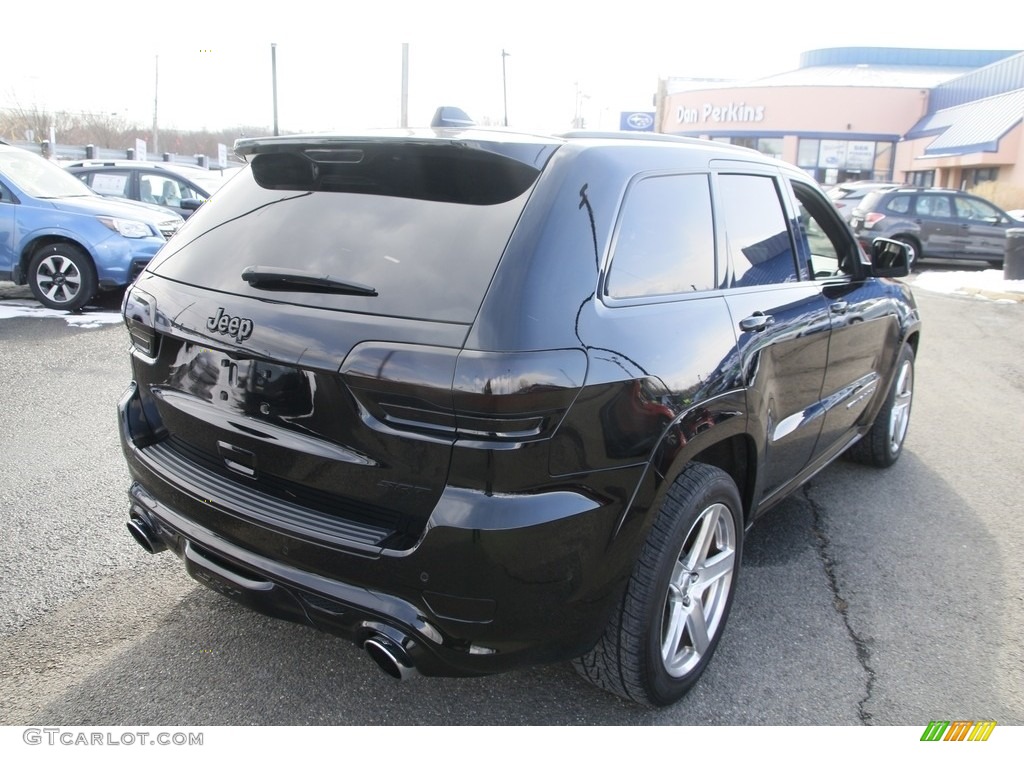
(64,240)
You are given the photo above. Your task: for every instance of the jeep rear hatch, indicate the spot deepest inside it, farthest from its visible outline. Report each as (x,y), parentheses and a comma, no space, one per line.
(418,224)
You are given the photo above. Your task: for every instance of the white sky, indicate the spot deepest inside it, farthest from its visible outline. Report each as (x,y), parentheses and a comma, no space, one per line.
(339,63)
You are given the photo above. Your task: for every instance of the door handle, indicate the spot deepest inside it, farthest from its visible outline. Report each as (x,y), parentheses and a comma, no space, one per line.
(756,322)
(839,307)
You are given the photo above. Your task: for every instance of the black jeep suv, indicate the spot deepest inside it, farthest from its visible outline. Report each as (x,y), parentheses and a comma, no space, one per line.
(478,400)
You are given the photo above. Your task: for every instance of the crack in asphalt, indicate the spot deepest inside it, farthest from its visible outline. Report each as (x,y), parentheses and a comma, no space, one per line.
(822,544)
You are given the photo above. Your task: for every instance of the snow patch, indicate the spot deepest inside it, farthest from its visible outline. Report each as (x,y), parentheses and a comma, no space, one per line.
(987,284)
(88,318)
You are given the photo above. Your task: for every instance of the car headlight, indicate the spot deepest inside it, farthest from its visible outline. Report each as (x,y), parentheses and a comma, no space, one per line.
(126,227)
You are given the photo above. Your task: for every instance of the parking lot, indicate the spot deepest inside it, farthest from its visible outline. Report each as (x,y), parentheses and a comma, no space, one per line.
(872,597)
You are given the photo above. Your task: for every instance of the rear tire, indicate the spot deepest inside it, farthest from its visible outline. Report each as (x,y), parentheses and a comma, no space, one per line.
(666,627)
(915,251)
(883,443)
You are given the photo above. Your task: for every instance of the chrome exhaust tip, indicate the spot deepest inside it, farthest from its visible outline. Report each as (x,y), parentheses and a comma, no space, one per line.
(390,655)
(142,531)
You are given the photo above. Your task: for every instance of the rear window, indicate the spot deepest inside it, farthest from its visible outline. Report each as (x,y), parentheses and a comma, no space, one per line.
(422,226)
(869,201)
(842,193)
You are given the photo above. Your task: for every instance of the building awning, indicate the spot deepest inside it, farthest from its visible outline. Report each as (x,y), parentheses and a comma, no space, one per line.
(973,127)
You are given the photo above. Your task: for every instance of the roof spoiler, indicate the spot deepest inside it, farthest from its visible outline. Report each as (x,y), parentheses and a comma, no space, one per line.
(451,117)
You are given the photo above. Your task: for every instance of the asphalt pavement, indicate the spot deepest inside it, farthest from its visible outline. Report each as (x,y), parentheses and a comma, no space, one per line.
(875,597)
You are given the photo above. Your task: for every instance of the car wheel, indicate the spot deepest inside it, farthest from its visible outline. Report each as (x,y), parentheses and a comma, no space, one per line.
(915,250)
(669,621)
(883,443)
(62,276)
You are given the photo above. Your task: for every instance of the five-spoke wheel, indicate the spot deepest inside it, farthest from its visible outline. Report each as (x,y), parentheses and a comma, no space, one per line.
(673,612)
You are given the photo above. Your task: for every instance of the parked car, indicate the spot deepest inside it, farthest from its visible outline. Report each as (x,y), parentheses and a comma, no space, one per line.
(935,223)
(178,187)
(479,400)
(66,241)
(847,195)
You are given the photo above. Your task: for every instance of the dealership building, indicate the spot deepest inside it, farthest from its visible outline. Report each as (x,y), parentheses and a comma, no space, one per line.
(947,118)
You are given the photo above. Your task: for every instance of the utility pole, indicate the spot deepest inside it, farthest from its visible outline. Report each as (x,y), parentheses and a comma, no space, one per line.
(273,70)
(578,120)
(504,83)
(405,85)
(156,97)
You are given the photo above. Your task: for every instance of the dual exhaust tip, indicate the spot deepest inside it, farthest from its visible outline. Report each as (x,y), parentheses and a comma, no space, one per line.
(386,646)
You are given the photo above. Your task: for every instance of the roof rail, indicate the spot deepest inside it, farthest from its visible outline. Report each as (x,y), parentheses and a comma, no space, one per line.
(643,136)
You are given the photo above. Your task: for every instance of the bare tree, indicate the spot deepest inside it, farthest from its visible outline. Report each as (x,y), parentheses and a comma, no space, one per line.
(22,122)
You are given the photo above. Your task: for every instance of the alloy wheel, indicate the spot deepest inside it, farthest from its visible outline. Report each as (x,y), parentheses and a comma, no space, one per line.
(59,279)
(698,590)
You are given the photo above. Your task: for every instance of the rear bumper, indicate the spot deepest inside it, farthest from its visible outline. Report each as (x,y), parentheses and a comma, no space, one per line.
(495,581)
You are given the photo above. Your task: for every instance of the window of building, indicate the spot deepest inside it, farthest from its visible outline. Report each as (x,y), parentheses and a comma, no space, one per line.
(833,161)
(665,240)
(770,147)
(883,160)
(807,153)
(921,178)
(744,141)
(974,176)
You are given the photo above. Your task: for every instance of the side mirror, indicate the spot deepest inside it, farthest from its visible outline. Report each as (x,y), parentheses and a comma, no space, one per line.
(190,203)
(890,258)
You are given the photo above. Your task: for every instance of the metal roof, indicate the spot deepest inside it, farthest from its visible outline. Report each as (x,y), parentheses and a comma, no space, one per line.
(867,67)
(973,127)
(864,76)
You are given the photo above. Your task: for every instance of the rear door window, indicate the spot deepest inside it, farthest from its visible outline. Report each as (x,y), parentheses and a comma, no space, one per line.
(899,204)
(665,239)
(110,183)
(936,206)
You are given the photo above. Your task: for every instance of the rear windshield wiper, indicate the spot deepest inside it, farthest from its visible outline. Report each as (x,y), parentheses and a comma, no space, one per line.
(279,279)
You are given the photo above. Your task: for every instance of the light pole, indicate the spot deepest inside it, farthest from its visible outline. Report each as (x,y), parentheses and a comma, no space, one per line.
(504,83)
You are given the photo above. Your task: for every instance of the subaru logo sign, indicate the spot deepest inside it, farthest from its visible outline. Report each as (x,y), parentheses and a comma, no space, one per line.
(636,121)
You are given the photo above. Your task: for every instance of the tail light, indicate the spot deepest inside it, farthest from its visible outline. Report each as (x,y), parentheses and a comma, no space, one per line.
(493,399)
(872,218)
(139,310)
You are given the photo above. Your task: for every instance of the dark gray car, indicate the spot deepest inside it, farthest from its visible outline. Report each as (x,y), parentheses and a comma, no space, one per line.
(848,195)
(936,223)
(174,186)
